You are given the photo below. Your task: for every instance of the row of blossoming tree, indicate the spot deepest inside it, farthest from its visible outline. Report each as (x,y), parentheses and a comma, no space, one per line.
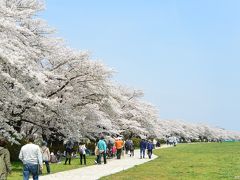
(49,89)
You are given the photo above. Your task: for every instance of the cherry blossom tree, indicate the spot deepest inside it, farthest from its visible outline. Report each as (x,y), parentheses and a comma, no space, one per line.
(49,89)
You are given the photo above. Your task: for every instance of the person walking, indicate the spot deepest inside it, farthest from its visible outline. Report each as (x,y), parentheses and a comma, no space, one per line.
(58,156)
(154,143)
(143,146)
(150,147)
(31,156)
(131,148)
(69,150)
(96,152)
(68,155)
(109,148)
(82,152)
(102,148)
(119,146)
(46,156)
(5,165)
(127,146)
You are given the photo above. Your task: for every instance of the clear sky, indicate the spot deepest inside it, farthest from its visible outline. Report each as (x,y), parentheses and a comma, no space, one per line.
(185,55)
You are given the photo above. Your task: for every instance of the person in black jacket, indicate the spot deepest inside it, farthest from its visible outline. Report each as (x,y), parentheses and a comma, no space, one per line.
(69,150)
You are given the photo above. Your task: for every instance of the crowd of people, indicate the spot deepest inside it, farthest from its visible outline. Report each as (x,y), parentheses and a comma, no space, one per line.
(172,140)
(34,157)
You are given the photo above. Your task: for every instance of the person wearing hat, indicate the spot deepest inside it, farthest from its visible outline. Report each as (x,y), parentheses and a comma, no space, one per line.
(5,165)
(119,146)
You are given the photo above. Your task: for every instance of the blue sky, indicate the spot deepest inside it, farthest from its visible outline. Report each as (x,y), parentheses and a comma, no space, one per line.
(183,54)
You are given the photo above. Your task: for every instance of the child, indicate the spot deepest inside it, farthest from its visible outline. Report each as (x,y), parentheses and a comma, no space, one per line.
(114,151)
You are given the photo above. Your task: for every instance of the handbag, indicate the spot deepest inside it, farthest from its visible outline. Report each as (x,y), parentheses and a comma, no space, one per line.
(101,151)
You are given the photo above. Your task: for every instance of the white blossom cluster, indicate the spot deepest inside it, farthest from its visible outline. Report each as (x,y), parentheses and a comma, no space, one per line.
(49,89)
(198,132)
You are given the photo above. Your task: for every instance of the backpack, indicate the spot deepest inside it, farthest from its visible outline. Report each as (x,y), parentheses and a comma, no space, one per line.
(127,144)
(45,156)
(131,147)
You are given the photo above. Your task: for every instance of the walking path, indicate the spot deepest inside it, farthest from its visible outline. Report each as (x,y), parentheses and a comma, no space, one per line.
(98,171)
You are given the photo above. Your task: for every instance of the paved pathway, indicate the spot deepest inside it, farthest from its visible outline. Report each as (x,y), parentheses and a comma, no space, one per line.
(97,171)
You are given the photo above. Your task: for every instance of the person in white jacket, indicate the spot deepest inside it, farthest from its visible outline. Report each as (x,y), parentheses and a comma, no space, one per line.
(31,157)
(82,152)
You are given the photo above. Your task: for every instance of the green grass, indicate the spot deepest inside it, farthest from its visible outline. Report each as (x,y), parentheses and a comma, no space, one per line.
(75,163)
(205,161)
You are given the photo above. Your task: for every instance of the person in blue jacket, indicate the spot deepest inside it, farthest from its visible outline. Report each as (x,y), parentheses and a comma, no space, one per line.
(143,146)
(102,148)
(150,148)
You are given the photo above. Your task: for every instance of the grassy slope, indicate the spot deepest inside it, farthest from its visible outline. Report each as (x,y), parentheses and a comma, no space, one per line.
(189,161)
(75,163)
